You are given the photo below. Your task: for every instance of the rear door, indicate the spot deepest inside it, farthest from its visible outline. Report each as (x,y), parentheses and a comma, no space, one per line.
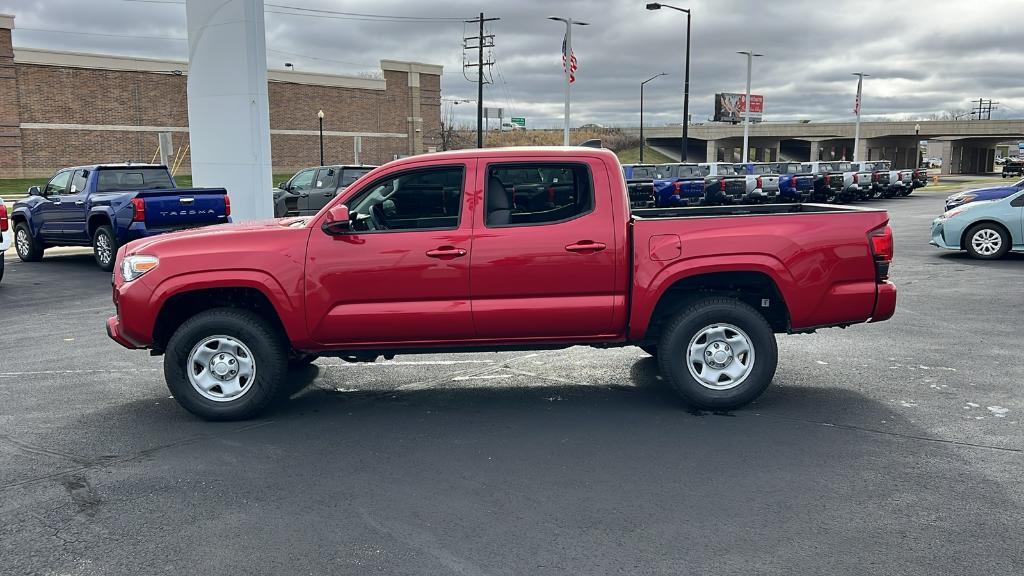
(544,271)
(73,208)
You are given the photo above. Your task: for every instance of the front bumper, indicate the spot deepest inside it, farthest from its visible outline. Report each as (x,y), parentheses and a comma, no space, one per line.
(940,233)
(117,335)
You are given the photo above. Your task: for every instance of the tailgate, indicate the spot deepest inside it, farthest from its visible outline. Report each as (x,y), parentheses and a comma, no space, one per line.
(184,208)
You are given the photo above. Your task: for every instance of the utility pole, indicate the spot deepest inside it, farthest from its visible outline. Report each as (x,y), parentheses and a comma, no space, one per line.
(482,41)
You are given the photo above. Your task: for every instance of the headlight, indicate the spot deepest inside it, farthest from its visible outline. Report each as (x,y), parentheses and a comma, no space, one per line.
(134,266)
(951,213)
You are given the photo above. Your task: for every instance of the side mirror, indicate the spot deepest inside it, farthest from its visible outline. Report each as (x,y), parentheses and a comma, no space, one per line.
(283,185)
(34,191)
(337,220)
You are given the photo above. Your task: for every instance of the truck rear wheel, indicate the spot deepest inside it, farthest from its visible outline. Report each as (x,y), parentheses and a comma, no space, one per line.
(718,353)
(104,247)
(226,364)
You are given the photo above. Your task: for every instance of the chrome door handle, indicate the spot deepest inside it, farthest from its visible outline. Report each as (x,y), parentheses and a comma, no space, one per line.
(56,202)
(586,247)
(79,202)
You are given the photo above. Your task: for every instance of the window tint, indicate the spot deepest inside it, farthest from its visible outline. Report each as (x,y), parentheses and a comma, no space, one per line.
(78,181)
(303,180)
(428,199)
(530,194)
(116,179)
(326,178)
(57,184)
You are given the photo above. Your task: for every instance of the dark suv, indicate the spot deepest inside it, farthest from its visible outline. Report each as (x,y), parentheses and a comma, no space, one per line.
(310,189)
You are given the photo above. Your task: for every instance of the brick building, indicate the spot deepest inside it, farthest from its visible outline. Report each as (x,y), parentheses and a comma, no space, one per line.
(65,108)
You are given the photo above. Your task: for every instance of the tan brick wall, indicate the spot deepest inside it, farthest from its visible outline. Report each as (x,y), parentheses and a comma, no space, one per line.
(66,95)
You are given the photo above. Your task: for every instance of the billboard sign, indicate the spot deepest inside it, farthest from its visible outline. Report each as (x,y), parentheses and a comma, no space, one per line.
(729,107)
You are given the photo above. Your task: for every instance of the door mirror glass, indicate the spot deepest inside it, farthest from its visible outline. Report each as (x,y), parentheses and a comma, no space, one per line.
(283,185)
(34,191)
(337,220)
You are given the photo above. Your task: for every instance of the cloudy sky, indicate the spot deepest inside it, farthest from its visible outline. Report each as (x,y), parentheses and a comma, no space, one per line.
(925,57)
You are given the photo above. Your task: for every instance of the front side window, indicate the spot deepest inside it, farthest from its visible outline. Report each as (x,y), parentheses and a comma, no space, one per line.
(535,194)
(427,199)
(303,180)
(57,184)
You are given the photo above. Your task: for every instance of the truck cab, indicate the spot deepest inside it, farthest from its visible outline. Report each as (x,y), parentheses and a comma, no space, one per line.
(680,184)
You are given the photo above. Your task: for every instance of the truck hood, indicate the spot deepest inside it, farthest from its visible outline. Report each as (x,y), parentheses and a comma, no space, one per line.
(215,233)
(994,192)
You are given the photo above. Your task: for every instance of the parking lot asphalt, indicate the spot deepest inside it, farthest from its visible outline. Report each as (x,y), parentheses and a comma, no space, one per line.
(891,448)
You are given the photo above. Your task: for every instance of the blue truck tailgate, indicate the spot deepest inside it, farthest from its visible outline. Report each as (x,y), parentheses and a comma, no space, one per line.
(185,207)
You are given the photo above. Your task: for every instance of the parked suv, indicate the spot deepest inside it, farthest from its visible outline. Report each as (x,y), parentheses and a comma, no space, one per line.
(310,189)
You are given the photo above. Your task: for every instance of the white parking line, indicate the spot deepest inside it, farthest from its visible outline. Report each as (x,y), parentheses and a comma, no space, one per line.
(97,371)
(406,363)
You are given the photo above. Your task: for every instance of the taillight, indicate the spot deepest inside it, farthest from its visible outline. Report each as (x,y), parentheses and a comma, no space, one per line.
(227,205)
(551,194)
(874,176)
(828,179)
(676,188)
(4,224)
(138,210)
(721,184)
(882,249)
(792,181)
(856,178)
(759,182)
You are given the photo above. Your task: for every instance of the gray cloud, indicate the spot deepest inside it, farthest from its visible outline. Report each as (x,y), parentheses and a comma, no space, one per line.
(923,57)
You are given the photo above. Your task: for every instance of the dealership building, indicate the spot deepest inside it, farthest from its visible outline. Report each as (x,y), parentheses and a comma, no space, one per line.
(62,109)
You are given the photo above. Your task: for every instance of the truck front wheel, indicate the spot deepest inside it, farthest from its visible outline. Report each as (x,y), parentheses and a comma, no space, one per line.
(718,353)
(226,364)
(29,249)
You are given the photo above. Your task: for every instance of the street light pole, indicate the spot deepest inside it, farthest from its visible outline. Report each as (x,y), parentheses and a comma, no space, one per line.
(320,115)
(746,105)
(917,144)
(643,143)
(567,56)
(686,80)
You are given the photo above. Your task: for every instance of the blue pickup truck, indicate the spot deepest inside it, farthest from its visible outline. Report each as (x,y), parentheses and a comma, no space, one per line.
(680,184)
(107,205)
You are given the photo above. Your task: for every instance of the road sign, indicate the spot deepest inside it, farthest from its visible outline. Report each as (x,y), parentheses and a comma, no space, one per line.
(519,121)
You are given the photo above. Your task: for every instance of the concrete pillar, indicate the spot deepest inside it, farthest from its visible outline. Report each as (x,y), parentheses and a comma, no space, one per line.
(712,151)
(10,116)
(228,109)
(813,155)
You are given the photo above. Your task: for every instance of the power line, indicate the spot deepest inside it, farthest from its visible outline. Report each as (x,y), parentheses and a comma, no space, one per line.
(332,14)
(102,34)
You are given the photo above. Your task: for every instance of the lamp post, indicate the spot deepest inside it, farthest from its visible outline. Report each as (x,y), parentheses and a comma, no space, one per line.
(917,143)
(686,78)
(746,104)
(289,66)
(567,56)
(320,115)
(856,110)
(643,143)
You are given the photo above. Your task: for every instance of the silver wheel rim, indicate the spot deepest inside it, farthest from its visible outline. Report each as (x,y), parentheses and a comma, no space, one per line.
(720,356)
(22,242)
(986,241)
(221,368)
(103,248)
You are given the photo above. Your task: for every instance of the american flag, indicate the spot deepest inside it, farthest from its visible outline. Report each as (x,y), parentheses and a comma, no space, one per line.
(572,58)
(856,103)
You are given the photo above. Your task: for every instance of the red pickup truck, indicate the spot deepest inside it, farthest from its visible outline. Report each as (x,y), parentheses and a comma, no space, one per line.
(440,252)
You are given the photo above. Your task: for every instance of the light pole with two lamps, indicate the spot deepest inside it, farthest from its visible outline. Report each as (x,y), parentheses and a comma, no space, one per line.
(686,79)
(643,143)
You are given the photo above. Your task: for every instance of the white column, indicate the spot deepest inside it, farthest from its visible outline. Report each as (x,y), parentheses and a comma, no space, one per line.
(228,107)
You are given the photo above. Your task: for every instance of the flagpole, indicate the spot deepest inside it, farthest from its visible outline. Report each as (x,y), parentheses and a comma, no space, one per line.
(567,65)
(856,110)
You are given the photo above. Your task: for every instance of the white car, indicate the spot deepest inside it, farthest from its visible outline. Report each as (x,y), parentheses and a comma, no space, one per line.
(5,234)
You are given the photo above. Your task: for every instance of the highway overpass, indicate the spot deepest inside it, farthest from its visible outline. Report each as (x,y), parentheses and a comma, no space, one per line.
(966,147)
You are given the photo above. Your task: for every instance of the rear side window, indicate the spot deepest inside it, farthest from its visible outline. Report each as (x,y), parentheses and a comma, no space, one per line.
(117,179)
(536,194)
(78,181)
(327,178)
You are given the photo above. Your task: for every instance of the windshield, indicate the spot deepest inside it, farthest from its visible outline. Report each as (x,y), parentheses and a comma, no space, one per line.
(790,168)
(843,166)
(116,179)
(763,169)
(350,175)
(645,172)
(726,170)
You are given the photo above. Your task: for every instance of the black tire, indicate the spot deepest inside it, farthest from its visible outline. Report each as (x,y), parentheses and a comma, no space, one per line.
(726,314)
(1003,236)
(269,351)
(31,250)
(651,349)
(104,247)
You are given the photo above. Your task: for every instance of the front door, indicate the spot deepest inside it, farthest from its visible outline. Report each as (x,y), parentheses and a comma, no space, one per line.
(49,212)
(544,252)
(402,274)
(324,187)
